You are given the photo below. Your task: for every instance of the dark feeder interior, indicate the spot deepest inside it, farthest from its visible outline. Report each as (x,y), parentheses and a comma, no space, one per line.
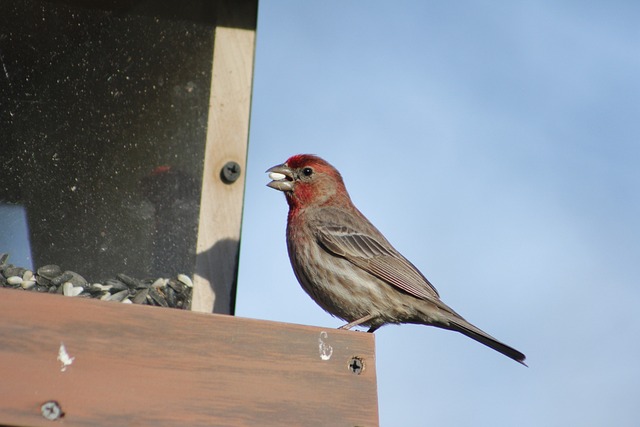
(103,127)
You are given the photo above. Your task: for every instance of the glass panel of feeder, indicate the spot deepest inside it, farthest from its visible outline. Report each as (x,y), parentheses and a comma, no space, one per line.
(102,130)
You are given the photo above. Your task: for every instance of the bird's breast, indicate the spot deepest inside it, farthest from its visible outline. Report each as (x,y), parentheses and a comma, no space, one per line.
(334,283)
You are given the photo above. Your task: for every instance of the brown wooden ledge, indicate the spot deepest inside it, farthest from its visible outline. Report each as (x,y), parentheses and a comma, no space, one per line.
(140,365)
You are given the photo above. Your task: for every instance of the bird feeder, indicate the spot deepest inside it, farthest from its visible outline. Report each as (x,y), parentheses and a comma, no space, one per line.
(124,128)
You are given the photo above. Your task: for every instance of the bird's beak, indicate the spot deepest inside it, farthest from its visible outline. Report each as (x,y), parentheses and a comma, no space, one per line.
(282,178)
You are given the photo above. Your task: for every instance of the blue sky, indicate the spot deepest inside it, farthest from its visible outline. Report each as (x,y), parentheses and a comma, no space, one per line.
(497,146)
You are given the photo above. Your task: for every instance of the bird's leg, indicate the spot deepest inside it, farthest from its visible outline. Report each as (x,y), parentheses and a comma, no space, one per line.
(357,322)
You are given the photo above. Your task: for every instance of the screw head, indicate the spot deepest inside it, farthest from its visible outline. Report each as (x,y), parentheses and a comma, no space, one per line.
(356,365)
(230,172)
(51,410)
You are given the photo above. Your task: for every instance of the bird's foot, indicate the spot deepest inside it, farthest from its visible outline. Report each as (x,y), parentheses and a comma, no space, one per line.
(358,322)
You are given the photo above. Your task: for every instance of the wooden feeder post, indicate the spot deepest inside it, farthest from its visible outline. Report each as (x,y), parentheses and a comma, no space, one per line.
(225,160)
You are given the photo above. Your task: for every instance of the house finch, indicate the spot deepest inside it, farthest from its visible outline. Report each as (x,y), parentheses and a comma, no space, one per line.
(348,267)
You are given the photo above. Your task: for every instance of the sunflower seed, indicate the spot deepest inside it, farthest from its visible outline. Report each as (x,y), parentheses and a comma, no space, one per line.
(157,298)
(141,296)
(118,296)
(130,281)
(116,284)
(185,279)
(14,280)
(49,272)
(69,290)
(28,284)
(10,271)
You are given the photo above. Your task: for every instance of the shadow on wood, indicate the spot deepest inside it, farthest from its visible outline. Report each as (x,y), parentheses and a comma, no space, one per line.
(221,275)
(138,365)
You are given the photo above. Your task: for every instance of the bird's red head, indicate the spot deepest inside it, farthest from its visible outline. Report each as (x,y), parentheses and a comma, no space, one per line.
(307,180)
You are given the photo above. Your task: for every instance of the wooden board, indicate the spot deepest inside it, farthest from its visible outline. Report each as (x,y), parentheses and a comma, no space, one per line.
(140,365)
(227,137)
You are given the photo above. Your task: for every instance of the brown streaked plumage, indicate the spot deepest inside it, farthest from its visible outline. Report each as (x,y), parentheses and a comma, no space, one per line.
(348,267)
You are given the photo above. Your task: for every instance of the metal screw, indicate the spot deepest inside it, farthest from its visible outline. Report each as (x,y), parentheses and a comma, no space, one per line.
(356,365)
(230,172)
(51,410)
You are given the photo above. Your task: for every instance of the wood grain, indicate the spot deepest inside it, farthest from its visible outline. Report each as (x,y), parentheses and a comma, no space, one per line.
(227,138)
(140,365)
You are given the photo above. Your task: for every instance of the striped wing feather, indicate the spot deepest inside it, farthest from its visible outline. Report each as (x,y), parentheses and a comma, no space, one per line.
(372,256)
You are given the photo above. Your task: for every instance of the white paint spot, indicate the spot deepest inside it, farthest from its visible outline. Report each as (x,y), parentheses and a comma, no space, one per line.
(276,176)
(64,357)
(325,349)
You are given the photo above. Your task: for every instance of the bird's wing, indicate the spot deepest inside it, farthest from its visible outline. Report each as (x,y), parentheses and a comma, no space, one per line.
(374,257)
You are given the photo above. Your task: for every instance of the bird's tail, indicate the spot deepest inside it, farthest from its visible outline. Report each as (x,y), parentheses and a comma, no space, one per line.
(455,322)
(466,328)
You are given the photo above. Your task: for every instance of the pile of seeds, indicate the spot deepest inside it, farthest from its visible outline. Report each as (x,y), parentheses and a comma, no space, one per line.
(173,293)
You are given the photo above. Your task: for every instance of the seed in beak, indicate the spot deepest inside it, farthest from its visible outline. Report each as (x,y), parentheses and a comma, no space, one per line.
(277,176)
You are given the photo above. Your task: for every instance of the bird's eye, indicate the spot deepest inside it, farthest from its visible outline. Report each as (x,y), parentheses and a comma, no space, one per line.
(307,171)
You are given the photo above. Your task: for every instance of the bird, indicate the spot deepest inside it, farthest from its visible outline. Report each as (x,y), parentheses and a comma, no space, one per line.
(348,267)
